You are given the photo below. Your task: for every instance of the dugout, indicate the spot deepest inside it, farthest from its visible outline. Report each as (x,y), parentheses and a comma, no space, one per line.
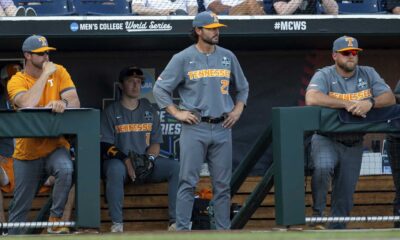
(278,54)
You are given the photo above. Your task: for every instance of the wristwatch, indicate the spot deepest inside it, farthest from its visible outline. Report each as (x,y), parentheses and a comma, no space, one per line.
(372,100)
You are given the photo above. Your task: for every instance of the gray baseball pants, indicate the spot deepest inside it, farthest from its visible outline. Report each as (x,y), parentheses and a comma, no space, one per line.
(211,143)
(30,174)
(116,176)
(334,161)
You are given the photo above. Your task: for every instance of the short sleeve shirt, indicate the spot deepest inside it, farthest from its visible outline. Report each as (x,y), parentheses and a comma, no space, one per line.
(60,81)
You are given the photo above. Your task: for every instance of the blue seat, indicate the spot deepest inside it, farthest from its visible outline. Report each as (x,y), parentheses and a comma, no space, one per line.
(102,7)
(360,7)
(47,7)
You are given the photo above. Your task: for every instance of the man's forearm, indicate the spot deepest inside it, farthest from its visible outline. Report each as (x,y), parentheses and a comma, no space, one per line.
(384,100)
(32,97)
(316,98)
(154,149)
(72,99)
(172,109)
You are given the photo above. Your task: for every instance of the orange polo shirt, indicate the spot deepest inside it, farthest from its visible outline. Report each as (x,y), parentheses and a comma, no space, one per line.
(60,81)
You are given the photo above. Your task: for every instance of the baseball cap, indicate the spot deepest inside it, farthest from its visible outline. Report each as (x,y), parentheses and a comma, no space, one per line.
(207,19)
(130,71)
(36,44)
(9,70)
(345,43)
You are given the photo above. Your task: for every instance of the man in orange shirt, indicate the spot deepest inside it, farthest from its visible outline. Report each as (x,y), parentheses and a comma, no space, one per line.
(41,84)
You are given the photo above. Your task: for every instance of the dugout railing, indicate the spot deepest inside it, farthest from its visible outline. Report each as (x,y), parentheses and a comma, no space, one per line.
(288,127)
(85,125)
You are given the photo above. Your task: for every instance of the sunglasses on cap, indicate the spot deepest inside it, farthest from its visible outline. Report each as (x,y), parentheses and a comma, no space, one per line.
(40,53)
(348,52)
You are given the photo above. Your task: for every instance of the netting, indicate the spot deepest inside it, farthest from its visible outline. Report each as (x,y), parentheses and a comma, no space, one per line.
(192,7)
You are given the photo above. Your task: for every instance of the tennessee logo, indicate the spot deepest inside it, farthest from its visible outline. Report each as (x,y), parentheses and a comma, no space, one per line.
(215,17)
(352,96)
(43,41)
(134,127)
(349,41)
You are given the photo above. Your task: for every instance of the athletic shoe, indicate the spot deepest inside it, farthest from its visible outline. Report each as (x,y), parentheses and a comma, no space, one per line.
(30,12)
(172,227)
(20,11)
(57,230)
(117,228)
(319,227)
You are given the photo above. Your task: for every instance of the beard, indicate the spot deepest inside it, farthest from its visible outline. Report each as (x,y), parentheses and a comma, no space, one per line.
(211,41)
(347,66)
(38,65)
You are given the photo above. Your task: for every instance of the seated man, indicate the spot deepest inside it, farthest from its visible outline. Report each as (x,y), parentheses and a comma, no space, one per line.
(133,125)
(165,7)
(41,84)
(288,7)
(336,157)
(8,8)
(235,7)
(393,6)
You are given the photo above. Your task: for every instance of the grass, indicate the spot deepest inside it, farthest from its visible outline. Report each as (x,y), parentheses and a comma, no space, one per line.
(234,235)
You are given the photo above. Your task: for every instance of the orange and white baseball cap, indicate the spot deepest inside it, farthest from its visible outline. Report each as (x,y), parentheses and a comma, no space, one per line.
(207,19)
(36,44)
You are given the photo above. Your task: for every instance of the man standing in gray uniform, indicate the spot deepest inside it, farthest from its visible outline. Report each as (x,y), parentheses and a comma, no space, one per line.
(202,74)
(357,89)
(132,124)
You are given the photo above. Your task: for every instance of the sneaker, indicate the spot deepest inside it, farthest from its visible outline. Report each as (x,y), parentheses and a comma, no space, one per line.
(30,12)
(117,228)
(57,230)
(172,227)
(20,11)
(319,227)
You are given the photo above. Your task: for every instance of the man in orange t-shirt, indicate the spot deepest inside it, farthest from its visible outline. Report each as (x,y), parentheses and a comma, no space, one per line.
(41,84)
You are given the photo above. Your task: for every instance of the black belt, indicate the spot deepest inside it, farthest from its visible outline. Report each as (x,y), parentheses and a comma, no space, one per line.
(212,120)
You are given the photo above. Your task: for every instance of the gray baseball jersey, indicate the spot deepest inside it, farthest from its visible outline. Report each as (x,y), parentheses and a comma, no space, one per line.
(365,83)
(131,130)
(202,81)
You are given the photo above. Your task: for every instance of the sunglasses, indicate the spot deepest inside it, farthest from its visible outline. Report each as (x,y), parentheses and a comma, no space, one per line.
(40,53)
(347,53)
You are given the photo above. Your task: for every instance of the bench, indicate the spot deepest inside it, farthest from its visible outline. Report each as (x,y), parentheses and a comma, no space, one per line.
(146,206)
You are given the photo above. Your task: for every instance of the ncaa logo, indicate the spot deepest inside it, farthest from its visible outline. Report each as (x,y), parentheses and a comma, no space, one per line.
(74,27)
(147,86)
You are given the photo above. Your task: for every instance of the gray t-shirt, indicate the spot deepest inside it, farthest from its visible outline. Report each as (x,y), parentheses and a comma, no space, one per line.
(365,83)
(131,130)
(203,81)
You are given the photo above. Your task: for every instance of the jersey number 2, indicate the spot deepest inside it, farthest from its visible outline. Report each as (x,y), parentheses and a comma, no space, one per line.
(224,86)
